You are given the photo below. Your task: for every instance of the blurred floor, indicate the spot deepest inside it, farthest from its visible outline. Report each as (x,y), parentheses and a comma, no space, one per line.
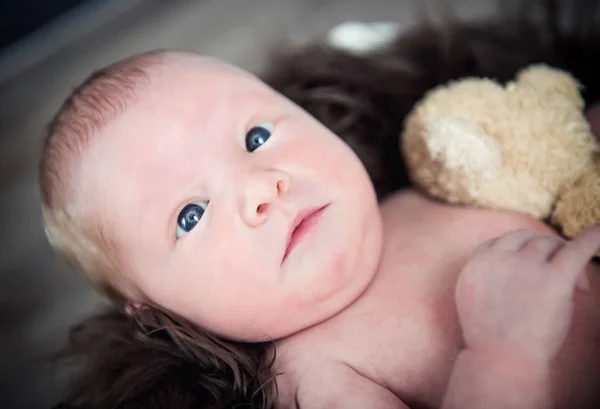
(39,297)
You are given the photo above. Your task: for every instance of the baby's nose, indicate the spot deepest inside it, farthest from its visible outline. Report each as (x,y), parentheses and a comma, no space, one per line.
(263,189)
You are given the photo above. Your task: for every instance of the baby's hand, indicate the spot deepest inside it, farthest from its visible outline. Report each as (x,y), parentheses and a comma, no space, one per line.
(516,291)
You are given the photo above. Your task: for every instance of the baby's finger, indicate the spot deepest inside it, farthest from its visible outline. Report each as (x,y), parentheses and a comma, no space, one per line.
(577,253)
(513,241)
(486,245)
(543,247)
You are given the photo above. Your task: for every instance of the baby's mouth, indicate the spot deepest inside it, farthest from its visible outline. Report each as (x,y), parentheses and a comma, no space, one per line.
(303,222)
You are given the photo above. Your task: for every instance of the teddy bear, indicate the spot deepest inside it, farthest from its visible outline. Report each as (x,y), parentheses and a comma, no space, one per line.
(524,146)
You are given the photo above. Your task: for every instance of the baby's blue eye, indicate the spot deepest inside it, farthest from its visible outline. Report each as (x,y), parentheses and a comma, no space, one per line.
(189,217)
(258,135)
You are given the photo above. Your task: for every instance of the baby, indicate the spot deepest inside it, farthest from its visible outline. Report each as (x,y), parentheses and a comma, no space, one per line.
(178,181)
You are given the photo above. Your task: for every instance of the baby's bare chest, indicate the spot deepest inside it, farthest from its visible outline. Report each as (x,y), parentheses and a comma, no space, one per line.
(401,334)
(410,348)
(404,332)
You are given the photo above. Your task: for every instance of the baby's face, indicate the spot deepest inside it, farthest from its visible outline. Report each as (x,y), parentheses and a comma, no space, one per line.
(203,182)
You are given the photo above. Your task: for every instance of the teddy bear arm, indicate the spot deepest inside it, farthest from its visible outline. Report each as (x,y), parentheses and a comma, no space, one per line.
(578,205)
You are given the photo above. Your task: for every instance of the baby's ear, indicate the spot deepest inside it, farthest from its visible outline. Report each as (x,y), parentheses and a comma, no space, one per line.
(132,308)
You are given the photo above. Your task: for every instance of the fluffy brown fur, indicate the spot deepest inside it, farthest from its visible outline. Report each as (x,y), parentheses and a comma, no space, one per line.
(157,361)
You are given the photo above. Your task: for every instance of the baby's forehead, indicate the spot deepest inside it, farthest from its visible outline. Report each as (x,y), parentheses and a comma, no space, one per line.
(187,93)
(212,88)
(208,72)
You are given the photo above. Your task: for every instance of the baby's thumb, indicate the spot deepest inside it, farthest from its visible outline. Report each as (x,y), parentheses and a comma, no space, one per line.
(577,253)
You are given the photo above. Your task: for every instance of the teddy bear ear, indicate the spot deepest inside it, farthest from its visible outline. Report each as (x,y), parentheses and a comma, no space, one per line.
(462,147)
(552,83)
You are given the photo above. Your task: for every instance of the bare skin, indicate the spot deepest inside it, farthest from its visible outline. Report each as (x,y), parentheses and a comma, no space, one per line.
(212,173)
(402,346)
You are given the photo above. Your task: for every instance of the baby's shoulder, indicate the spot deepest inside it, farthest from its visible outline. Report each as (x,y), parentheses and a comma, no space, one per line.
(336,384)
(298,376)
(314,370)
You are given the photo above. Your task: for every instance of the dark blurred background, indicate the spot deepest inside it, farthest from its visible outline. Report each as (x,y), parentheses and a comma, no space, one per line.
(19,18)
(49,46)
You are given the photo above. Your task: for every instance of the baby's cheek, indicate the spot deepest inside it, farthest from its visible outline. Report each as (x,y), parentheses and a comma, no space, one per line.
(336,274)
(332,166)
(324,277)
